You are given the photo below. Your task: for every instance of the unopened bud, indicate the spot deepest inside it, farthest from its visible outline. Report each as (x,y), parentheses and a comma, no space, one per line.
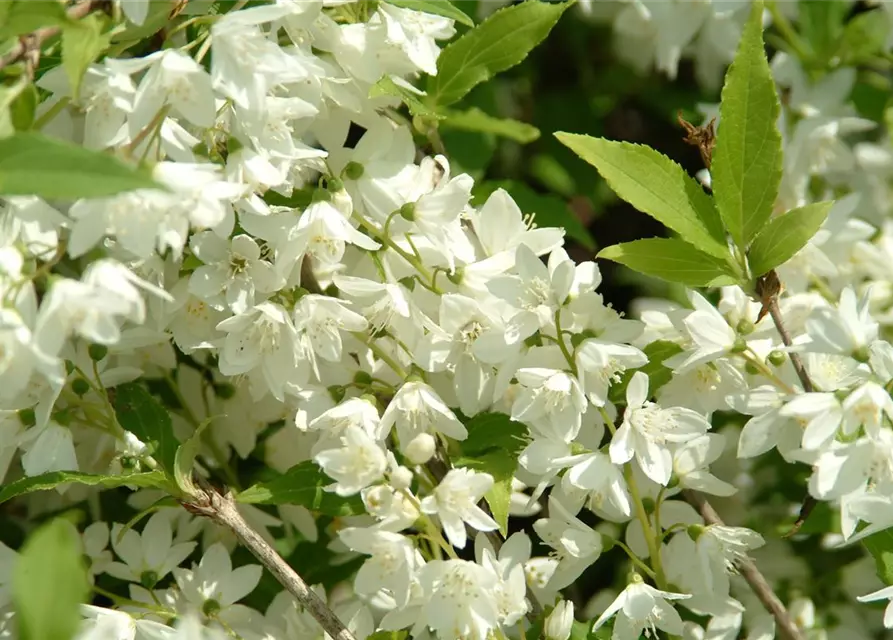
(421,448)
(559,622)
(353,171)
(401,478)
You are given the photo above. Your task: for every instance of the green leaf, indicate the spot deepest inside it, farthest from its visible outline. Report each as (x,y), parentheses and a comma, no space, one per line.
(671,260)
(185,458)
(49,584)
(55,479)
(413,101)
(784,236)
(82,43)
(864,37)
(26,16)
(500,42)
(11,105)
(880,546)
(34,164)
(141,414)
(476,120)
(549,210)
(436,7)
(389,635)
(658,375)
(655,185)
(821,25)
(493,445)
(303,484)
(746,168)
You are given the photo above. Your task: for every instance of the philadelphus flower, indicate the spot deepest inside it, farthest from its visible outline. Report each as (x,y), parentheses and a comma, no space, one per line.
(648,432)
(417,409)
(642,608)
(455,503)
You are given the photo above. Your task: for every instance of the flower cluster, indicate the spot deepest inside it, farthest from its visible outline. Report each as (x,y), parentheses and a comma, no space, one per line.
(310,288)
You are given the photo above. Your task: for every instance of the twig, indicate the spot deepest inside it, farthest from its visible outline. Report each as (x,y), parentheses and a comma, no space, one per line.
(221,508)
(768,288)
(748,570)
(28,46)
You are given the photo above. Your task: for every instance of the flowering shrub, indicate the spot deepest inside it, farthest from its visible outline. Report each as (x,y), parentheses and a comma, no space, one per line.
(271,365)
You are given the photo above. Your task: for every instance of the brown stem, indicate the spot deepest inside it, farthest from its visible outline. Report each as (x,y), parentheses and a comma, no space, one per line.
(221,508)
(748,570)
(28,46)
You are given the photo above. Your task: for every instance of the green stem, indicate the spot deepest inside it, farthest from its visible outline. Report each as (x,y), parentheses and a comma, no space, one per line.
(380,354)
(650,539)
(783,26)
(636,560)
(51,113)
(561,345)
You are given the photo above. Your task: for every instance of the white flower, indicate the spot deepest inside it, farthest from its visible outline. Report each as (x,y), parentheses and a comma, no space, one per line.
(150,556)
(537,289)
(321,232)
(214,586)
(359,462)
(392,565)
(461,603)
(719,548)
(415,33)
(691,464)
(711,334)
(575,544)
(601,364)
(48,448)
(501,229)
(101,623)
(319,321)
(455,502)
(173,79)
(550,401)
(232,273)
(647,430)
(845,329)
(604,480)
(263,341)
(641,607)
(882,594)
(417,409)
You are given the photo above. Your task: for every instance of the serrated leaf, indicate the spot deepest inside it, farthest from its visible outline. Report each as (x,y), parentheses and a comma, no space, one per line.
(658,375)
(746,169)
(500,42)
(493,445)
(437,7)
(671,260)
(655,185)
(548,210)
(49,584)
(784,236)
(476,120)
(82,43)
(34,164)
(55,479)
(304,484)
(413,101)
(880,546)
(185,458)
(141,414)
(27,16)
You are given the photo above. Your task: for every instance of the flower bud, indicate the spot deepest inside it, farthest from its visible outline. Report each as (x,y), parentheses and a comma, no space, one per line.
(97,352)
(421,448)
(401,478)
(353,171)
(80,386)
(407,211)
(559,622)
(776,358)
